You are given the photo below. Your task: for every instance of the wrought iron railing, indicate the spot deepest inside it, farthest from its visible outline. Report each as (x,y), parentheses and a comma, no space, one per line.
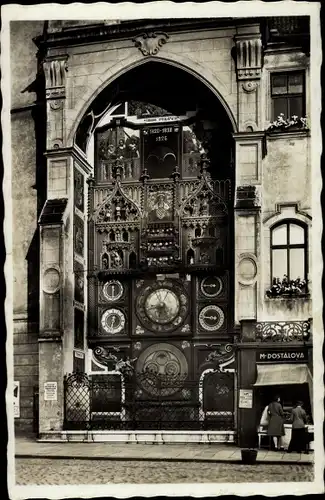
(148,401)
(283,331)
(288,29)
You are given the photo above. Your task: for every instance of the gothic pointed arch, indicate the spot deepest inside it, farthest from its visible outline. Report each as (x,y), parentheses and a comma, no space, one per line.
(117,207)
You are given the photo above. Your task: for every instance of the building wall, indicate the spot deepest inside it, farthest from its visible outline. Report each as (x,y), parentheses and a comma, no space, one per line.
(24,215)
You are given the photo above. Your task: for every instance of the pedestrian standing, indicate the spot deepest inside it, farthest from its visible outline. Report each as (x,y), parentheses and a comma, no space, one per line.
(276,423)
(298,419)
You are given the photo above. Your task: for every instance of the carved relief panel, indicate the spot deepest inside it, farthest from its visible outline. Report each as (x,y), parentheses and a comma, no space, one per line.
(204,231)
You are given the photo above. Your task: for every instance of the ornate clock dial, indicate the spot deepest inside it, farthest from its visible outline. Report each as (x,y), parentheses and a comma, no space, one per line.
(211,318)
(162,305)
(113,290)
(113,321)
(211,286)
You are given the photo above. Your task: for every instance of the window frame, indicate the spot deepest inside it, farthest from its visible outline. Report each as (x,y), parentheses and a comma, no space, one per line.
(288,247)
(288,95)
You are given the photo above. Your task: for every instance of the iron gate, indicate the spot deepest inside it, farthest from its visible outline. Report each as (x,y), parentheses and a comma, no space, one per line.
(148,401)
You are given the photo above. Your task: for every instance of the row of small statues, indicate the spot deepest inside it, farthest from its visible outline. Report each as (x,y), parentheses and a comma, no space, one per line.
(124,149)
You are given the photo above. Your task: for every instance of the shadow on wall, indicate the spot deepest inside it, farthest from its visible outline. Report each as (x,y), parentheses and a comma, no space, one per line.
(33,254)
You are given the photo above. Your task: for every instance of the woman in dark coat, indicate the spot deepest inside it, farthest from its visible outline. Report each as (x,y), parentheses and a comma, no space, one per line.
(276,422)
(298,434)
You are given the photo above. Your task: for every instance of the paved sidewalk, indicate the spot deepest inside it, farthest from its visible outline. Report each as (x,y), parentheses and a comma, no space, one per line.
(29,447)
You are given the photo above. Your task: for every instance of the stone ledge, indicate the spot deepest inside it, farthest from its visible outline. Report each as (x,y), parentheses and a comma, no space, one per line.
(289,134)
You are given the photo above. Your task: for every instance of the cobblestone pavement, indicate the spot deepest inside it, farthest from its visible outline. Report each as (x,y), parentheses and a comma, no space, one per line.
(75,471)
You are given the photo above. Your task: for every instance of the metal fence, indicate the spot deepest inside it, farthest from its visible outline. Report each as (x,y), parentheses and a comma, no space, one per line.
(107,402)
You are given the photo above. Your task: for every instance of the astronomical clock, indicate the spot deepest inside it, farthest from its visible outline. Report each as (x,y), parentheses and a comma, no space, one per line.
(160,277)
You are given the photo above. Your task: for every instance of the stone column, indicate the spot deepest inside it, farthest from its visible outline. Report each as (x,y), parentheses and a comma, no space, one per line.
(246,369)
(51,316)
(55,253)
(250,148)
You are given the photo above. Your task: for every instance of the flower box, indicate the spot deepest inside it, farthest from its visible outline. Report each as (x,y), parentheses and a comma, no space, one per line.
(287,288)
(281,124)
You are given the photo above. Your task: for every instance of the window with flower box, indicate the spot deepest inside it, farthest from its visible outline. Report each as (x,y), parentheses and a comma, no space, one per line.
(288,258)
(288,94)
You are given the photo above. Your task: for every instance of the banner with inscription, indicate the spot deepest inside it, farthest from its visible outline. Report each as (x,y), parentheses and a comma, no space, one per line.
(161,150)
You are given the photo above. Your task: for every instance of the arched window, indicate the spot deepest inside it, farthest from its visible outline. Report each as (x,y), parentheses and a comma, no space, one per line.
(289,250)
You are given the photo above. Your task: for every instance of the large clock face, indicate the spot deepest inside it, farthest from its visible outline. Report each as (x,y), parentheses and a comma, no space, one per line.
(211,318)
(162,306)
(113,321)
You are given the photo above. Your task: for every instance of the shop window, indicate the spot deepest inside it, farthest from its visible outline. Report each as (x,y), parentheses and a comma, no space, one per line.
(289,251)
(288,94)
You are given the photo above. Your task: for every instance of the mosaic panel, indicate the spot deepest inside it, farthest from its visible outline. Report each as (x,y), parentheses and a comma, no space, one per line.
(79,190)
(78,329)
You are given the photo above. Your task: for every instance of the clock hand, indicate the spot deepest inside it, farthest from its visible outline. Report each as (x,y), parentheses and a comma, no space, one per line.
(166,294)
(154,306)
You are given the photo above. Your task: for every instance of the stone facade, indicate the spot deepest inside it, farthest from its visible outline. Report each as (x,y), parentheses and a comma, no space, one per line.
(272,171)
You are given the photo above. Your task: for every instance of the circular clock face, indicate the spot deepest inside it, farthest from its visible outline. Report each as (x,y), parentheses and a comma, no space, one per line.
(211,286)
(211,318)
(162,305)
(113,290)
(113,321)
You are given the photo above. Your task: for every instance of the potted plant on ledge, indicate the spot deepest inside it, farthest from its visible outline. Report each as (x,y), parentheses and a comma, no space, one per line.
(282,124)
(287,288)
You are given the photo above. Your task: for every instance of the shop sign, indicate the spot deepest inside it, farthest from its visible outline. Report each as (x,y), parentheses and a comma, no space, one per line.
(16,399)
(50,391)
(284,356)
(245,398)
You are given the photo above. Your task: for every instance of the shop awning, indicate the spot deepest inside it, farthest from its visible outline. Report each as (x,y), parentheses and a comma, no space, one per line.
(282,374)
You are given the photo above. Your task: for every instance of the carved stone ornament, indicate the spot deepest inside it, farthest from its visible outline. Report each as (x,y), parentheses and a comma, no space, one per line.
(149,43)
(249,86)
(56,104)
(221,354)
(51,280)
(55,77)
(107,357)
(249,57)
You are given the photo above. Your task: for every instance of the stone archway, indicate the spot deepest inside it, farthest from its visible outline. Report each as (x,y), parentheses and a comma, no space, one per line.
(110,78)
